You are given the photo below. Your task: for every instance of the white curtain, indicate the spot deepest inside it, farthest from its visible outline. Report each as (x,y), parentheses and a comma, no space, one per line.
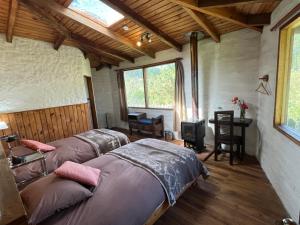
(180,106)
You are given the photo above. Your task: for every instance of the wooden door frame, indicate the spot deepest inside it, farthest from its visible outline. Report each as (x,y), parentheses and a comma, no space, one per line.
(91,99)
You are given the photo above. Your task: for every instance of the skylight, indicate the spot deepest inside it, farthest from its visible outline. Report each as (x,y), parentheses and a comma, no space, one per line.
(97,10)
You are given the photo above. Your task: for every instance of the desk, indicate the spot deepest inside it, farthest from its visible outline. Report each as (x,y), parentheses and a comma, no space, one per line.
(237,122)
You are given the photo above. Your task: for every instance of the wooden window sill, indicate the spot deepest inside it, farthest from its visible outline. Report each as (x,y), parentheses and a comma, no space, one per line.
(289,133)
(166,109)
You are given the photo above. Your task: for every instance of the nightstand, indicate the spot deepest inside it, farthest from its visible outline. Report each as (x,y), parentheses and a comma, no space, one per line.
(28,159)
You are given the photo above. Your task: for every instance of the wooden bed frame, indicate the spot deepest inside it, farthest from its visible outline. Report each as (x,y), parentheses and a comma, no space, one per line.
(162,209)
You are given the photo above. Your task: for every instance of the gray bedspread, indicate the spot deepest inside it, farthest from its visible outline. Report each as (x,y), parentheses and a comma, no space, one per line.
(104,140)
(172,165)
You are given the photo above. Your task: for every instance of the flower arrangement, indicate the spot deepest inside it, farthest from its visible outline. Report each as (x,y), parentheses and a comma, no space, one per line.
(242,106)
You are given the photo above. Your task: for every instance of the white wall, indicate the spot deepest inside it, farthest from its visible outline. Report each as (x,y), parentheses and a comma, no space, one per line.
(230,69)
(102,82)
(279,156)
(224,71)
(33,75)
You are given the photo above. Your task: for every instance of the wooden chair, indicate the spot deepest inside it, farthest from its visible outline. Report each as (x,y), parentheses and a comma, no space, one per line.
(224,134)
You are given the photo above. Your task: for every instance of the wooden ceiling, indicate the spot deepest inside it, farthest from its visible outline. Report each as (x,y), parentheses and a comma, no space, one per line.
(168,21)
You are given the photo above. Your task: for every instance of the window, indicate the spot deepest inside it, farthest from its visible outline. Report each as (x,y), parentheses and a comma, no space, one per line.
(151,87)
(97,10)
(134,85)
(287,110)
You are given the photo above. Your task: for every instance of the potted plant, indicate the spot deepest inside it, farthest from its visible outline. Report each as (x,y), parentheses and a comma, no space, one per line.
(242,106)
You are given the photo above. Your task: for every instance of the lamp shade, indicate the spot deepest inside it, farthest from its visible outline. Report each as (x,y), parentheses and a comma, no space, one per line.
(3,126)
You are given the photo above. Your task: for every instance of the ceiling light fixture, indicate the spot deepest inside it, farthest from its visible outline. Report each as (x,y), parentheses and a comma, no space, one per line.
(144,37)
(125,27)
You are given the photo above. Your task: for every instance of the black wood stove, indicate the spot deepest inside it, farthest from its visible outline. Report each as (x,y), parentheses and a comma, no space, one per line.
(193,133)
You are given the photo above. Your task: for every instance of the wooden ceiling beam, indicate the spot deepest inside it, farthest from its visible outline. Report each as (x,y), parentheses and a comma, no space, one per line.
(231,15)
(13,8)
(229,3)
(103,58)
(65,12)
(143,22)
(67,3)
(102,65)
(100,48)
(227,14)
(204,23)
(259,19)
(84,53)
(59,41)
(65,33)
(108,61)
(100,58)
(48,18)
(94,57)
(90,48)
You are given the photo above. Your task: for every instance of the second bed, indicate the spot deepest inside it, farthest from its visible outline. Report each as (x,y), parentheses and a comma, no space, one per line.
(79,148)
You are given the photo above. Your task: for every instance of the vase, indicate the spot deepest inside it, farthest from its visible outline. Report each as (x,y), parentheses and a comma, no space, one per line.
(242,114)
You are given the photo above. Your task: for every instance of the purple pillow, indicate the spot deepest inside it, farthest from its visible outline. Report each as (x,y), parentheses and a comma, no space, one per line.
(50,194)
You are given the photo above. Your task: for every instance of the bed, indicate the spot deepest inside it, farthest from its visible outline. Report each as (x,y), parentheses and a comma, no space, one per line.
(79,148)
(139,182)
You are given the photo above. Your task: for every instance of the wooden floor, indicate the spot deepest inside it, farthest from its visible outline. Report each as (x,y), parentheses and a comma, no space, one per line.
(232,195)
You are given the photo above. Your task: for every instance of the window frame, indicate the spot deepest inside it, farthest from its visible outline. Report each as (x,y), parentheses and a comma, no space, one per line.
(145,84)
(96,20)
(283,79)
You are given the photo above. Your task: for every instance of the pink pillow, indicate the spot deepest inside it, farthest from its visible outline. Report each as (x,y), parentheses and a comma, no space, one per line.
(78,172)
(35,145)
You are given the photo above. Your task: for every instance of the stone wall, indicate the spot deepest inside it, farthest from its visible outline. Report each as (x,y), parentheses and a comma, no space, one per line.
(33,75)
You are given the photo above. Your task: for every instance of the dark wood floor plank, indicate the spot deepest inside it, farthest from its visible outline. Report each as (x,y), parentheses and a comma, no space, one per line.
(232,195)
(231,199)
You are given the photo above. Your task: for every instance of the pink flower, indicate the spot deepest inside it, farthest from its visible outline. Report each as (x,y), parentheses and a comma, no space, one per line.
(244,106)
(235,100)
(241,103)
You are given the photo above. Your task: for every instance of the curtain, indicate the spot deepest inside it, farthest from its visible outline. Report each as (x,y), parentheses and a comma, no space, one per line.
(122,96)
(180,107)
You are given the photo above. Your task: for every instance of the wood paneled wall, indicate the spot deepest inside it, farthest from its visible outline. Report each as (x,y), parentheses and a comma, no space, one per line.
(49,124)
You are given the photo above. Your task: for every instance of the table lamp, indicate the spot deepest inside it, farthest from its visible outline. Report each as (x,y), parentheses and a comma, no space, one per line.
(3,125)
(8,139)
